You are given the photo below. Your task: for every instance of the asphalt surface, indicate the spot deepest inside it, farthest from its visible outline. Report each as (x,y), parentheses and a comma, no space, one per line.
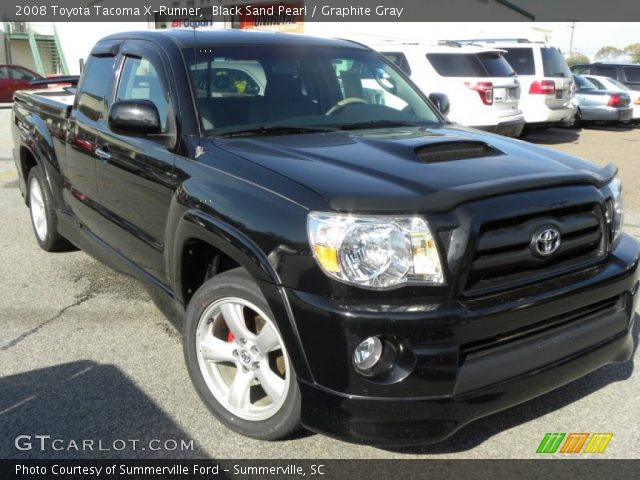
(85,355)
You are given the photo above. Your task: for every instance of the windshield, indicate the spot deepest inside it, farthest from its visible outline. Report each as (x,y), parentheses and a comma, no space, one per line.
(617,84)
(297,89)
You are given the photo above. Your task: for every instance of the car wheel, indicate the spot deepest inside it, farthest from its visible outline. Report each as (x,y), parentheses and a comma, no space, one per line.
(237,359)
(576,121)
(43,214)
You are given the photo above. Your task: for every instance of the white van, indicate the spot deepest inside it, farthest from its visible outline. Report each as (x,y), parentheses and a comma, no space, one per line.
(483,89)
(547,85)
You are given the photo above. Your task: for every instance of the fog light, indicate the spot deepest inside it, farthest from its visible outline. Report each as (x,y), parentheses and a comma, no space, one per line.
(367,353)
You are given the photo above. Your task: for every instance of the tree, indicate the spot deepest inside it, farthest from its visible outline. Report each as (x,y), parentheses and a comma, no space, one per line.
(577,58)
(633,51)
(609,53)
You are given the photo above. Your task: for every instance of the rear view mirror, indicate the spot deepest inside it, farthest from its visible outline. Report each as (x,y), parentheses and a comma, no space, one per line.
(134,117)
(441,101)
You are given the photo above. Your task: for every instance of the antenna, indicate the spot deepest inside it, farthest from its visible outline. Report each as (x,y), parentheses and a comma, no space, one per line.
(473,42)
(199,148)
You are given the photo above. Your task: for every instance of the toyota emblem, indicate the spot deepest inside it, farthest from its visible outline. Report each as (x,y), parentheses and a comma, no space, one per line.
(244,356)
(546,242)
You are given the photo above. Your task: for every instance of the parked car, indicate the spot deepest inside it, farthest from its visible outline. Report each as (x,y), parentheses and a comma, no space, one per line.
(482,88)
(545,79)
(364,269)
(607,83)
(626,73)
(600,106)
(14,78)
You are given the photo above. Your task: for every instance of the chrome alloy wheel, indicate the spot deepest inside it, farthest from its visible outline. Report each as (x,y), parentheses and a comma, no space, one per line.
(242,359)
(38,212)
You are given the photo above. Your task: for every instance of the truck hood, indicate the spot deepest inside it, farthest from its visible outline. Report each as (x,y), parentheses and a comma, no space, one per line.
(412,168)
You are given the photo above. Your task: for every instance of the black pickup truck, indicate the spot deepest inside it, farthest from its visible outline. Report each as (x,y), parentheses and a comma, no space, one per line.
(337,254)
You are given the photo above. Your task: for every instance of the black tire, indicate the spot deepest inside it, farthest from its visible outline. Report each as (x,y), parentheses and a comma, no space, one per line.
(52,241)
(237,283)
(526,131)
(576,122)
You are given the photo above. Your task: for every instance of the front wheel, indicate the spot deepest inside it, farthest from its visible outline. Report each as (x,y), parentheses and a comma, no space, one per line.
(237,359)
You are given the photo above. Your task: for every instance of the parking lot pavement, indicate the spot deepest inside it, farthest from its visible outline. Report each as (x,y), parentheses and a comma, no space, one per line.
(84,354)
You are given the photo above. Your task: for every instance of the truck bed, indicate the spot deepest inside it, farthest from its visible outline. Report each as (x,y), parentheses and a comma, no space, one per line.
(55,103)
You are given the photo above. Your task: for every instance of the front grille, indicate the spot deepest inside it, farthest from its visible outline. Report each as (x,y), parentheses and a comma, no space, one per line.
(504,256)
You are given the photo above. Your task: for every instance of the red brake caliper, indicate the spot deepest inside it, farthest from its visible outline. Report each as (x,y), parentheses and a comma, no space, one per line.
(230,337)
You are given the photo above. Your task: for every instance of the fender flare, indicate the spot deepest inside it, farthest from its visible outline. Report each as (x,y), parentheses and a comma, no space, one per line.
(38,141)
(195,224)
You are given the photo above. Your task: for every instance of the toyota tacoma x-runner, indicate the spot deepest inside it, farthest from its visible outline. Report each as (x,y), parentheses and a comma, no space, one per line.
(337,255)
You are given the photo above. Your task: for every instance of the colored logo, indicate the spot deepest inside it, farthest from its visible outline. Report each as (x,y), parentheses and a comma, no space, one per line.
(574,443)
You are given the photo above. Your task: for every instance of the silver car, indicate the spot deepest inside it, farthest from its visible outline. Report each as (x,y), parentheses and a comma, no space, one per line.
(600,106)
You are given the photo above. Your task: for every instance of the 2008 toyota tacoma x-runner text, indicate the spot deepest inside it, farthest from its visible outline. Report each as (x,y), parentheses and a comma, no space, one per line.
(339,256)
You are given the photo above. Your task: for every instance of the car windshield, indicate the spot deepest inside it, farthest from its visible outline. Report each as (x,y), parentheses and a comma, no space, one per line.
(290,89)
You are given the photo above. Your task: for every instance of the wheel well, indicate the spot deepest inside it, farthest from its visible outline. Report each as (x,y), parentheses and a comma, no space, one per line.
(27,161)
(200,262)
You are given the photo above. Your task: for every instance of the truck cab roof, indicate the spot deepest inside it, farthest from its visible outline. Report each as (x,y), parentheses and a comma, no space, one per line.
(185,38)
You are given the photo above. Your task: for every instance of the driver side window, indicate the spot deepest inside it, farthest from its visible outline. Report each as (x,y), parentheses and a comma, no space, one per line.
(140,81)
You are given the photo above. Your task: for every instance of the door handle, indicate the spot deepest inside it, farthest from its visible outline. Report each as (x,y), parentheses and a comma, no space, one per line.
(101,154)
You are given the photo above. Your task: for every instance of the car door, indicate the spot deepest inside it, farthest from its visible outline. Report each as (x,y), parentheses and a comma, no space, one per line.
(78,163)
(135,173)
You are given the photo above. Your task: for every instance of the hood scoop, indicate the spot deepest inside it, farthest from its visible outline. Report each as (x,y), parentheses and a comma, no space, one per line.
(455,150)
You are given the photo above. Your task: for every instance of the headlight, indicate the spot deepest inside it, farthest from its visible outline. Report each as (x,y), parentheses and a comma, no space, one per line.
(374,251)
(615,209)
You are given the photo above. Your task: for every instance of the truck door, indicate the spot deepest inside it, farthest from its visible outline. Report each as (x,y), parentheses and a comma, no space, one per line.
(78,165)
(135,173)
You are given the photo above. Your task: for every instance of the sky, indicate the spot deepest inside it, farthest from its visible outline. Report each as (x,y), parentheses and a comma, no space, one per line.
(589,36)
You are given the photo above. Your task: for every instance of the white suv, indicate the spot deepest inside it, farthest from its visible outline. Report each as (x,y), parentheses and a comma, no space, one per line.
(483,89)
(547,85)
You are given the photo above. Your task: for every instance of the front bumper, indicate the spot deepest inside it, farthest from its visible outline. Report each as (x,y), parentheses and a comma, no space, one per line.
(573,327)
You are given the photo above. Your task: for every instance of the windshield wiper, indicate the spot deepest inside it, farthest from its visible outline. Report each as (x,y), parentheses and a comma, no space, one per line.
(275,130)
(379,124)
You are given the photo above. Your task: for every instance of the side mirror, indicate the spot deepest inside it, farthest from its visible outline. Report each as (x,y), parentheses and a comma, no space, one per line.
(134,117)
(441,101)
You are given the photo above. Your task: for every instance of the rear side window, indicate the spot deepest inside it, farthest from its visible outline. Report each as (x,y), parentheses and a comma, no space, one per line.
(632,74)
(90,99)
(400,60)
(21,74)
(457,64)
(597,83)
(554,63)
(496,65)
(605,71)
(521,60)
(583,84)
